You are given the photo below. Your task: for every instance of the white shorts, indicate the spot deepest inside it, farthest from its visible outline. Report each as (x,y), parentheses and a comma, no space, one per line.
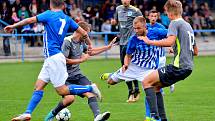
(162,61)
(133,72)
(54,70)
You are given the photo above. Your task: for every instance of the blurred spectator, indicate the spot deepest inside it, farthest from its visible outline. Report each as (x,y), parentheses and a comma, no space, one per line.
(11,1)
(110,12)
(27,30)
(17,5)
(164,19)
(38,28)
(88,14)
(106,26)
(196,21)
(6,17)
(79,17)
(69,6)
(43,6)
(23,12)
(33,7)
(95,20)
(208,16)
(74,11)
(14,17)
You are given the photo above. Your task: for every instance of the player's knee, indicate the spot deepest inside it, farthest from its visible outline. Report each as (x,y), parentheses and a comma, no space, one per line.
(111,82)
(62,91)
(89,94)
(68,100)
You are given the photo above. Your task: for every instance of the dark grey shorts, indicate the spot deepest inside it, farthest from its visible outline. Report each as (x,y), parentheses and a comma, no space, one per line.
(170,74)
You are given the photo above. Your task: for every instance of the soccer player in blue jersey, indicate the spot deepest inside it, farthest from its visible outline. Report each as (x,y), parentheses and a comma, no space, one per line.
(140,59)
(75,50)
(54,68)
(181,37)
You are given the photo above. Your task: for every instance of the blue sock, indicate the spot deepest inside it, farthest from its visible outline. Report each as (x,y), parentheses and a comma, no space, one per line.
(147,108)
(35,99)
(79,89)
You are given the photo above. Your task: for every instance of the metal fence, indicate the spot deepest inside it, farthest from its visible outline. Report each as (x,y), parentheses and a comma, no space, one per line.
(20,50)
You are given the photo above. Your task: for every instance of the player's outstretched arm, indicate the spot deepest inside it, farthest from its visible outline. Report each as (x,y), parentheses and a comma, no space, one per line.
(168,42)
(26,21)
(98,50)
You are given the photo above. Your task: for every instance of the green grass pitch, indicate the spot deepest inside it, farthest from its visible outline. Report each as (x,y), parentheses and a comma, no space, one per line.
(193,100)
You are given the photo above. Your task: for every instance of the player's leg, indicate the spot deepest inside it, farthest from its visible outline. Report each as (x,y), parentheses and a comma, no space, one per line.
(67,100)
(92,101)
(160,104)
(34,101)
(151,98)
(58,75)
(128,83)
(136,90)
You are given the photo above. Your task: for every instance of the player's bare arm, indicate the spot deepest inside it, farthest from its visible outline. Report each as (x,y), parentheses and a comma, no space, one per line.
(83,58)
(127,61)
(195,52)
(168,42)
(26,21)
(98,50)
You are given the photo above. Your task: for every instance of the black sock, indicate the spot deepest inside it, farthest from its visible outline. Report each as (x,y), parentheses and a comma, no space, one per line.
(57,109)
(161,107)
(136,86)
(130,88)
(152,101)
(92,102)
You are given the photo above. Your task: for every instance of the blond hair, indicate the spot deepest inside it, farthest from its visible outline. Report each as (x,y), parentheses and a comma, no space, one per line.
(140,19)
(84,25)
(174,7)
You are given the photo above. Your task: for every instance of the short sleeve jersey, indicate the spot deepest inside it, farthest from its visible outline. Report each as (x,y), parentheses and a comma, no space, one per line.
(125,17)
(73,50)
(56,26)
(183,48)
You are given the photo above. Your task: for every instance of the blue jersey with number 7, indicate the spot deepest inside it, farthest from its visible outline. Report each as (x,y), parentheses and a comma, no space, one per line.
(56,26)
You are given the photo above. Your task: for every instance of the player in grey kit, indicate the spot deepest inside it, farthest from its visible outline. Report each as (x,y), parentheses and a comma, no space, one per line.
(124,16)
(75,50)
(181,36)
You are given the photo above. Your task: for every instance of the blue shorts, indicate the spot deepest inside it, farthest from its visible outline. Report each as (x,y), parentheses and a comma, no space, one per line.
(78,79)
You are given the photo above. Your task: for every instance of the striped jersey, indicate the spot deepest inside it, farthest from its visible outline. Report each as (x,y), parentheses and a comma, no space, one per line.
(161,50)
(56,26)
(144,55)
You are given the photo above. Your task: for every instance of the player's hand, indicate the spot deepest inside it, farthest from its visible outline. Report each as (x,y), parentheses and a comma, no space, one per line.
(84,57)
(170,50)
(124,68)
(112,43)
(145,39)
(8,29)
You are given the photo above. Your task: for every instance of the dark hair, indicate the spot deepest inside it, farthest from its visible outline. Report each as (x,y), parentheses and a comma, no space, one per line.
(57,3)
(153,11)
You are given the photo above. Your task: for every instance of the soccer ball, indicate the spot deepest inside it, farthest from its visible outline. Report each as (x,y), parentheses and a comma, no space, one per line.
(63,115)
